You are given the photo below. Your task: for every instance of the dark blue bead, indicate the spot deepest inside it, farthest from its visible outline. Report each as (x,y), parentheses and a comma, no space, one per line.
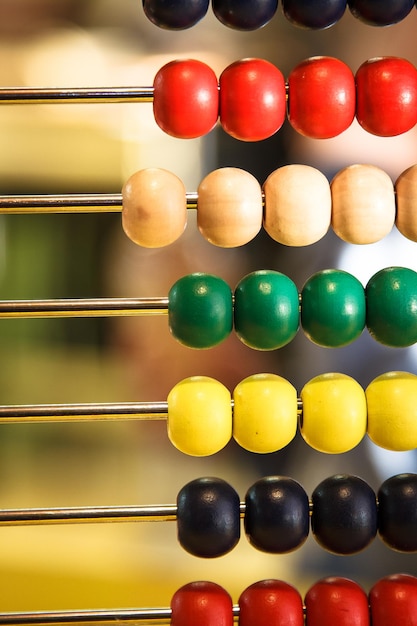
(378,13)
(344,518)
(175,14)
(277,514)
(208,517)
(397,508)
(314,14)
(244,14)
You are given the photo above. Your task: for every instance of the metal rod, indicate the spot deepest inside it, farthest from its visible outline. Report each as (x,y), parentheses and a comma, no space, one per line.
(89,95)
(94,307)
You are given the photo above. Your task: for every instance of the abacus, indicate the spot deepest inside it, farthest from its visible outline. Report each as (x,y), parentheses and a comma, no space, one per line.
(266,421)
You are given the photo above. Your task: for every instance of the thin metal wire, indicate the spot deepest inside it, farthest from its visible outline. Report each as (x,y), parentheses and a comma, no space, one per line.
(79,307)
(84,95)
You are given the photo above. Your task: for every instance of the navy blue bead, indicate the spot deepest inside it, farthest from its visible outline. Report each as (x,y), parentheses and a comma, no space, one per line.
(175,14)
(378,13)
(397,508)
(344,518)
(208,517)
(244,14)
(277,514)
(314,14)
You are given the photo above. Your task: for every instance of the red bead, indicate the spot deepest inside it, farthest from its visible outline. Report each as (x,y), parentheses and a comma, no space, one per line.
(252,99)
(270,603)
(393,601)
(337,602)
(321,97)
(202,603)
(386,96)
(186,98)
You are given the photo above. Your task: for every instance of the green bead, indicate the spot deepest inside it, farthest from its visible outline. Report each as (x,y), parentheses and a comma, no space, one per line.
(333,308)
(200,310)
(391,300)
(266,310)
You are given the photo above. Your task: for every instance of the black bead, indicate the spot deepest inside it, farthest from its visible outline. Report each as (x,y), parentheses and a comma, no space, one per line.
(378,13)
(397,509)
(244,14)
(314,14)
(344,518)
(208,517)
(175,14)
(277,514)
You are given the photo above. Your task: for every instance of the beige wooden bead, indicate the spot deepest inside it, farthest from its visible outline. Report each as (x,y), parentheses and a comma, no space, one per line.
(406,188)
(297,205)
(229,207)
(363,204)
(154,212)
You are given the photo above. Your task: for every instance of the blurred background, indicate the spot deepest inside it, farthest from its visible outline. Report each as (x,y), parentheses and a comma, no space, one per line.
(94,148)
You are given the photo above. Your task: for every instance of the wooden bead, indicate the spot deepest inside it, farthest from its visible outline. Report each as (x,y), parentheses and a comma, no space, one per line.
(244,14)
(336,601)
(377,13)
(297,205)
(397,512)
(314,15)
(270,603)
(175,16)
(203,603)
(229,208)
(363,204)
(154,212)
(393,601)
(406,189)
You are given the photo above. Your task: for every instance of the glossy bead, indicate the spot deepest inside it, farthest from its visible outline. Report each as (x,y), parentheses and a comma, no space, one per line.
(175,16)
(270,603)
(393,600)
(363,204)
(297,205)
(321,97)
(377,13)
(333,308)
(264,413)
(208,517)
(391,306)
(200,310)
(344,518)
(266,308)
(277,514)
(397,512)
(334,416)
(392,411)
(314,15)
(186,99)
(203,603)
(199,416)
(154,210)
(229,208)
(386,96)
(244,14)
(406,195)
(336,601)
(252,99)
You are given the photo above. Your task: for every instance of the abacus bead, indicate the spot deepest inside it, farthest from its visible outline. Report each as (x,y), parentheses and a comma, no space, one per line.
(406,189)
(391,306)
(377,13)
(229,208)
(321,97)
(203,603)
(397,512)
(154,210)
(392,411)
(363,204)
(333,308)
(270,603)
(297,205)
(266,307)
(199,416)
(277,514)
(334,414)
(244,14)
(386,96)
(336,601)
(175,16)
(200,310)
(208,517)
(252,99)
(393,601)
(264,413)
(314,15)
(185,98)
(344,518)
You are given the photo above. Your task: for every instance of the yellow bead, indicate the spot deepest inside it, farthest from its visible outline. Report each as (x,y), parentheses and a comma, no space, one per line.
(199,416)
(406,188)
(264,413)
(392,411)
(334,413)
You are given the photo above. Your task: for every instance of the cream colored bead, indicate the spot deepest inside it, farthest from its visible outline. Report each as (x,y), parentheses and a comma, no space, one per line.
(406,188)
(229,208)
(297,205)
(363,204)
(154,210)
